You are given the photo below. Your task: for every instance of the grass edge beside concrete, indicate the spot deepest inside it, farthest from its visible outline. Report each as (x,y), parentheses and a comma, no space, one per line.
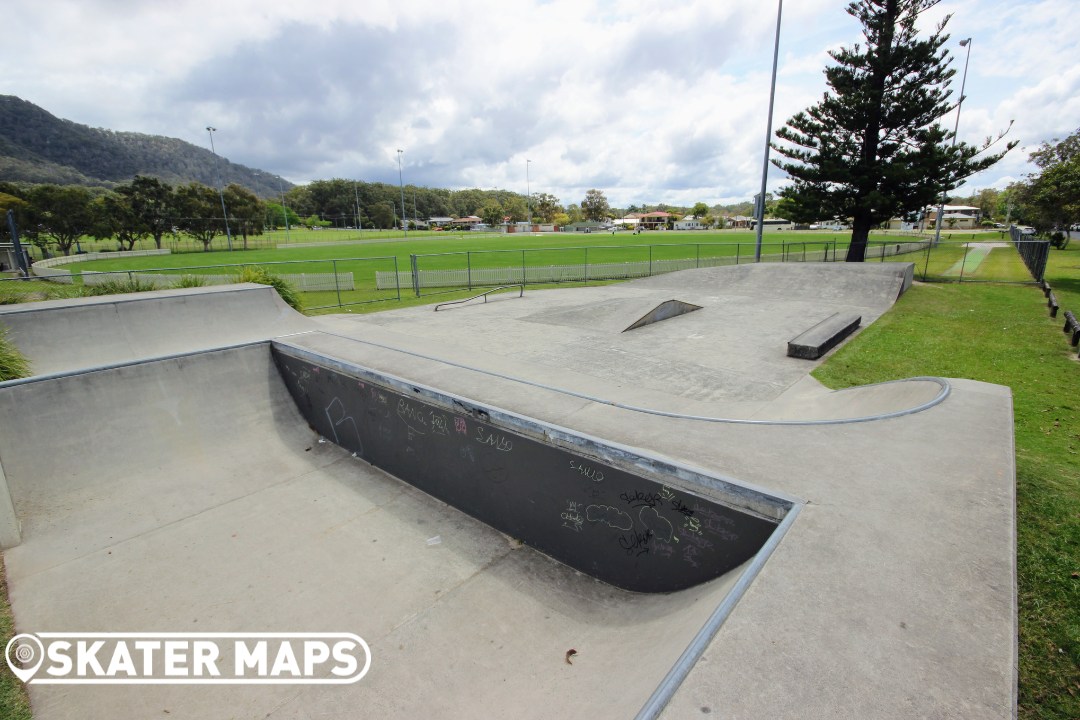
(14,702)
(1003,335)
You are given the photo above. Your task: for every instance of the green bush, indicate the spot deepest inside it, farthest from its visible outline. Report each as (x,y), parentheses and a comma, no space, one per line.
(190,281)
(118,287)
(13,364)
(262,276)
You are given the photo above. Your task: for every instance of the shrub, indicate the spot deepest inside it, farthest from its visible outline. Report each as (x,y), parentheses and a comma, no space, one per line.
(190,281)
(118,287)
(13,364)
(263,277)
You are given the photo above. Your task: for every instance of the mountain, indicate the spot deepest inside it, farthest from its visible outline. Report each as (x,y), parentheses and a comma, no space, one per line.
(38,147)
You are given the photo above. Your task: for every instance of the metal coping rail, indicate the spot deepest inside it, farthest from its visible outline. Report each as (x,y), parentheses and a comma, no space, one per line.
(944,390)
(484,295)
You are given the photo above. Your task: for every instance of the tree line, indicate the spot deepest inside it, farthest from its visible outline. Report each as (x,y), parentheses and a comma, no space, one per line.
(56,217)
(59,216)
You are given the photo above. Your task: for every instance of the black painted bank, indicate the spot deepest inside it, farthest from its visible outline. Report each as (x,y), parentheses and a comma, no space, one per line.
(636,522)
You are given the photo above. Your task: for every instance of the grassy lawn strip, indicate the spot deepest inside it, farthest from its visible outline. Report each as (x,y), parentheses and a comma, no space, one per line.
(1003,335)
(14,703)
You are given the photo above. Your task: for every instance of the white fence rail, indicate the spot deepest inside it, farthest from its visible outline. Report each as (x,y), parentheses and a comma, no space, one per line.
(87,257)
(304,282)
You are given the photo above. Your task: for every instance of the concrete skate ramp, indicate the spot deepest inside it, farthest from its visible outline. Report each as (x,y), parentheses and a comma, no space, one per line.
(838,283)
(188,493)
(728,359)
(62,335)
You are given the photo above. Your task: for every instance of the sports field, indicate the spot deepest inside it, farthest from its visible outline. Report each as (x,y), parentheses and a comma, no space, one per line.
(346,270)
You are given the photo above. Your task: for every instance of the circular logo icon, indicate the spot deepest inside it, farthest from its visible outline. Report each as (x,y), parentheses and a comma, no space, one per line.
(24,654)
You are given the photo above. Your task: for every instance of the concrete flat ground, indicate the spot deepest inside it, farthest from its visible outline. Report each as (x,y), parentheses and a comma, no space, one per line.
(188,493)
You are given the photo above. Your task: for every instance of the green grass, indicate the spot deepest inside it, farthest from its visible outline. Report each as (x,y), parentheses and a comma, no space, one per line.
(284,289)
(14,702)
(1002,334)
(437,251)
(13,364)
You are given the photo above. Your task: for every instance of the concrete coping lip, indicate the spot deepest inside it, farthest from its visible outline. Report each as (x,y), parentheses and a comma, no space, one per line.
(944,389)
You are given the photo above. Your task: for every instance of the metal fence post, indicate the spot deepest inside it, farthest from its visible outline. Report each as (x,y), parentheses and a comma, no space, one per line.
(738,251)
(415,275)
(468,266)
(926,264)
(586,265)
(967,248)
(650,261)
(523,267)
(697,256)
(397,279)
(337,284)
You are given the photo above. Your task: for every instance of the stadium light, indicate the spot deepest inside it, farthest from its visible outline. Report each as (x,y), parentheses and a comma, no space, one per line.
(221,181)
(760,209)
(963,83)
(401,185)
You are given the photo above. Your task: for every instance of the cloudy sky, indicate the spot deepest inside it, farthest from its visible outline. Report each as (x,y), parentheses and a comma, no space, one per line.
(650,101)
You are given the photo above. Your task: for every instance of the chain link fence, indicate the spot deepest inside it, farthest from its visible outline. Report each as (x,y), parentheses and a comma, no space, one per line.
(335,283)
(342,282)
(437,273)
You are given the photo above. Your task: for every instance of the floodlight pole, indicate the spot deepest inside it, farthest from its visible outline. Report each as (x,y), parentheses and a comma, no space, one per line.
(760,209)
(528,192)
(401,185)
(284,209)
(963,83)
(356,194)
(221,181)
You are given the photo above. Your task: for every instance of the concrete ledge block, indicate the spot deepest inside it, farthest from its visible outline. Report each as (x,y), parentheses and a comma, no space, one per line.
(824,336)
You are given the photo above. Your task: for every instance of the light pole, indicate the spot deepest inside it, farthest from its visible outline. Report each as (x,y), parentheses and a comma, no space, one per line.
(760,207)
(963,83)
(356,195)
(401,185)
(221,193)
(284,210)
(528,192)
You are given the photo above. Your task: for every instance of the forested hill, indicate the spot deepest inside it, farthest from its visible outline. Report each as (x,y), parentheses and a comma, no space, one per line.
(38,147)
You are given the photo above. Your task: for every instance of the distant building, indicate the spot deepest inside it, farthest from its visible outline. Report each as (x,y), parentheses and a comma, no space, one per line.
(657,220)
(773,224)
(690,222)
(585,226)
(959,217)
(953,216)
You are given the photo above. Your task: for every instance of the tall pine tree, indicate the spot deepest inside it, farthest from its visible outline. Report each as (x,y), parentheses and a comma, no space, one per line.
(873,148)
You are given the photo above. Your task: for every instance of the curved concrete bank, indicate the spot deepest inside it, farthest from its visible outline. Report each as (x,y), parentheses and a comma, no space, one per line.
(65,335)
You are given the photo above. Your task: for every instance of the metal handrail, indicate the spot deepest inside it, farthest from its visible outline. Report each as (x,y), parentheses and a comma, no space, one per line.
(483,295)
